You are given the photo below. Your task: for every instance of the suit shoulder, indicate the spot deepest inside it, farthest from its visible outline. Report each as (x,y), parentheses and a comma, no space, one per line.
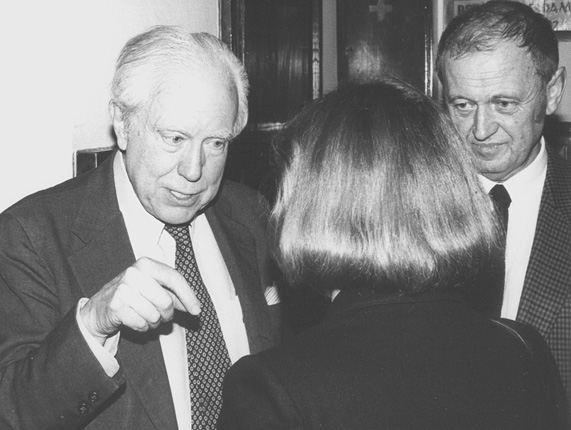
(66,197)
(61,197)
(56,208)
(557,189)
(560,166)
(235,190)
(243,200)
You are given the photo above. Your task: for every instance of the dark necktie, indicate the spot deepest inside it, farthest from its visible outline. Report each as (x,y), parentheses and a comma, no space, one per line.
(488,294)
(208,358)
(493,296)
(502,200)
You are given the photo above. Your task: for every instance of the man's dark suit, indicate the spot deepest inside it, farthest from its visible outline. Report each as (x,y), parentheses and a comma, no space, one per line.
(382,362)
(65,243)
(546,296)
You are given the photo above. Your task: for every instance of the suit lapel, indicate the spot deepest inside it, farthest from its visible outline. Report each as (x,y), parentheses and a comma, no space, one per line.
(238,249)
(103,251)
(141,357)
(549,270)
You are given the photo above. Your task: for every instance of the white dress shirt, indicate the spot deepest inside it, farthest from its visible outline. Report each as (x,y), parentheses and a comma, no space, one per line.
(525,189)
(149,239)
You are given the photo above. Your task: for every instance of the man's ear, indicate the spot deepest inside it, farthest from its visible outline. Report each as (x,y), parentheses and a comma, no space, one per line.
(555,89)
(118,120)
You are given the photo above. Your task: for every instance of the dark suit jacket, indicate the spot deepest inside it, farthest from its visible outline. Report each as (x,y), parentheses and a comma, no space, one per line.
(379,362)
(65,243)
(546,296)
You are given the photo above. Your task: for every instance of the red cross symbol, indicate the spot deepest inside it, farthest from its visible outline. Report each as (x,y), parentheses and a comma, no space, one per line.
(381,9)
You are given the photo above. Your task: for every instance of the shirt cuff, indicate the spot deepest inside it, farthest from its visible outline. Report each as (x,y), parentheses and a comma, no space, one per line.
(272,295)
(105,354)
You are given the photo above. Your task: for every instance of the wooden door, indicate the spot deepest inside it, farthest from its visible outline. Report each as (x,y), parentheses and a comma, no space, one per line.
(279,42)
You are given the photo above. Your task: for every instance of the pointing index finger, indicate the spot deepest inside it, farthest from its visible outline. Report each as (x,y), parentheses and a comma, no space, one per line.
(184,298)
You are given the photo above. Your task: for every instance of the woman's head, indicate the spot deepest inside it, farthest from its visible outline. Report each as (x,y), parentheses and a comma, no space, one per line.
(377,189)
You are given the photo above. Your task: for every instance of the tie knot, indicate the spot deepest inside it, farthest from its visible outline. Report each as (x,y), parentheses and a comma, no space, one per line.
(500,196)
(180,233)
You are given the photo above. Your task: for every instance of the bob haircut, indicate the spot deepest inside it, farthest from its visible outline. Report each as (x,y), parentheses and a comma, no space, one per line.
(377,190)
(483,27)
(151,58)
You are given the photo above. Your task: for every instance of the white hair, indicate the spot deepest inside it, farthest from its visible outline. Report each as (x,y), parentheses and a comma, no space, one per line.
(147,60)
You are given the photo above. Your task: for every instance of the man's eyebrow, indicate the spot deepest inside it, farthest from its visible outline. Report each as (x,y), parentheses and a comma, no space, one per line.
(227,136)
(505,96)
(455,97)
(161,128)
(223,135)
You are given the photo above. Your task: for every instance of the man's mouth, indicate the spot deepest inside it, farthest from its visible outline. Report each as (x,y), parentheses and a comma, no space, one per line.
(182,196)
(487,148)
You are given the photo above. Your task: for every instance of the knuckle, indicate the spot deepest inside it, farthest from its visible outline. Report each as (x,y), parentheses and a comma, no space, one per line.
(155,318)
(164,301)
(137,324)
(143,327)
(143,263)
(131,271)
(168,312)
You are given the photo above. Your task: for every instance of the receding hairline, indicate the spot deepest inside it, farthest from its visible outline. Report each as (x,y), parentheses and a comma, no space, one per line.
(200,79)
(482,28)
(155,56)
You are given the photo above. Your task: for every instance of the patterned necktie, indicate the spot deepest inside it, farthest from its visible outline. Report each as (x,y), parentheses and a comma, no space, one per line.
(208,358)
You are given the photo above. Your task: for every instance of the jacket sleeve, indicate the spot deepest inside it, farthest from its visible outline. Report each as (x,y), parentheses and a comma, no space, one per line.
(557,404)
(254,398)
(554,412)
(49,378)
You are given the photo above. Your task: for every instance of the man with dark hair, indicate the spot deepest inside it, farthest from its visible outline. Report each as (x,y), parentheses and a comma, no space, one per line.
(126,293)
(498,64)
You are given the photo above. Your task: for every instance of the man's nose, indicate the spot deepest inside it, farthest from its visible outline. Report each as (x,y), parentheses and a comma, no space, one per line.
(485,124)
(191,163)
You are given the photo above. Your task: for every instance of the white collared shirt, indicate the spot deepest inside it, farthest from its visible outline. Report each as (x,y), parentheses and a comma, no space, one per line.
(525,189)
(149,239)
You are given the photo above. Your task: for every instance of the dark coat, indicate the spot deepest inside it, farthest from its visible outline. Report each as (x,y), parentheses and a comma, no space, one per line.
(65,243)
(379,362)
(546,296)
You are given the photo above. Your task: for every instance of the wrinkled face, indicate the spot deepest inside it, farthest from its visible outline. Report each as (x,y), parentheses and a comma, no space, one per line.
(498,105)
(175,149)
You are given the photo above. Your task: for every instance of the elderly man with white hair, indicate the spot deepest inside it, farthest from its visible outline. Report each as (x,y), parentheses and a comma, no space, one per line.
(126,293)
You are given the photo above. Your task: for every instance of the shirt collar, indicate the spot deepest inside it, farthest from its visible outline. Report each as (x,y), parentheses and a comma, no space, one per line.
(144,229)
(521,181)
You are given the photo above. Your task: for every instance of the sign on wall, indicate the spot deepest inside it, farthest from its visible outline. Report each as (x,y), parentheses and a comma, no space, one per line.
(558,12)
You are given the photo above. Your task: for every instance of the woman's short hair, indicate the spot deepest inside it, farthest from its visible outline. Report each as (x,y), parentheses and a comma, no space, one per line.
(377,189)
(150,58)
(482,27)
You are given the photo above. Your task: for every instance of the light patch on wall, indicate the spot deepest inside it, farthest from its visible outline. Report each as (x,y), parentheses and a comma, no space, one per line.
(102,28)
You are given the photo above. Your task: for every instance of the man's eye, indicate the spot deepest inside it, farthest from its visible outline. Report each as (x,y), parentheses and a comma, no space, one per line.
(463,106)
(174,139)
(217,144)
(505,105)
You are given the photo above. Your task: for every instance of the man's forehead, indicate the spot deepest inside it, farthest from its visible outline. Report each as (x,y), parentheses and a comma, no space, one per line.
(189,104)
(507,54)
(196,80)
(493,72)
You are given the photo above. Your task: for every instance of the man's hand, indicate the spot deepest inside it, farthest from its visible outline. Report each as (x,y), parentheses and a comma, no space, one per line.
(142,297)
